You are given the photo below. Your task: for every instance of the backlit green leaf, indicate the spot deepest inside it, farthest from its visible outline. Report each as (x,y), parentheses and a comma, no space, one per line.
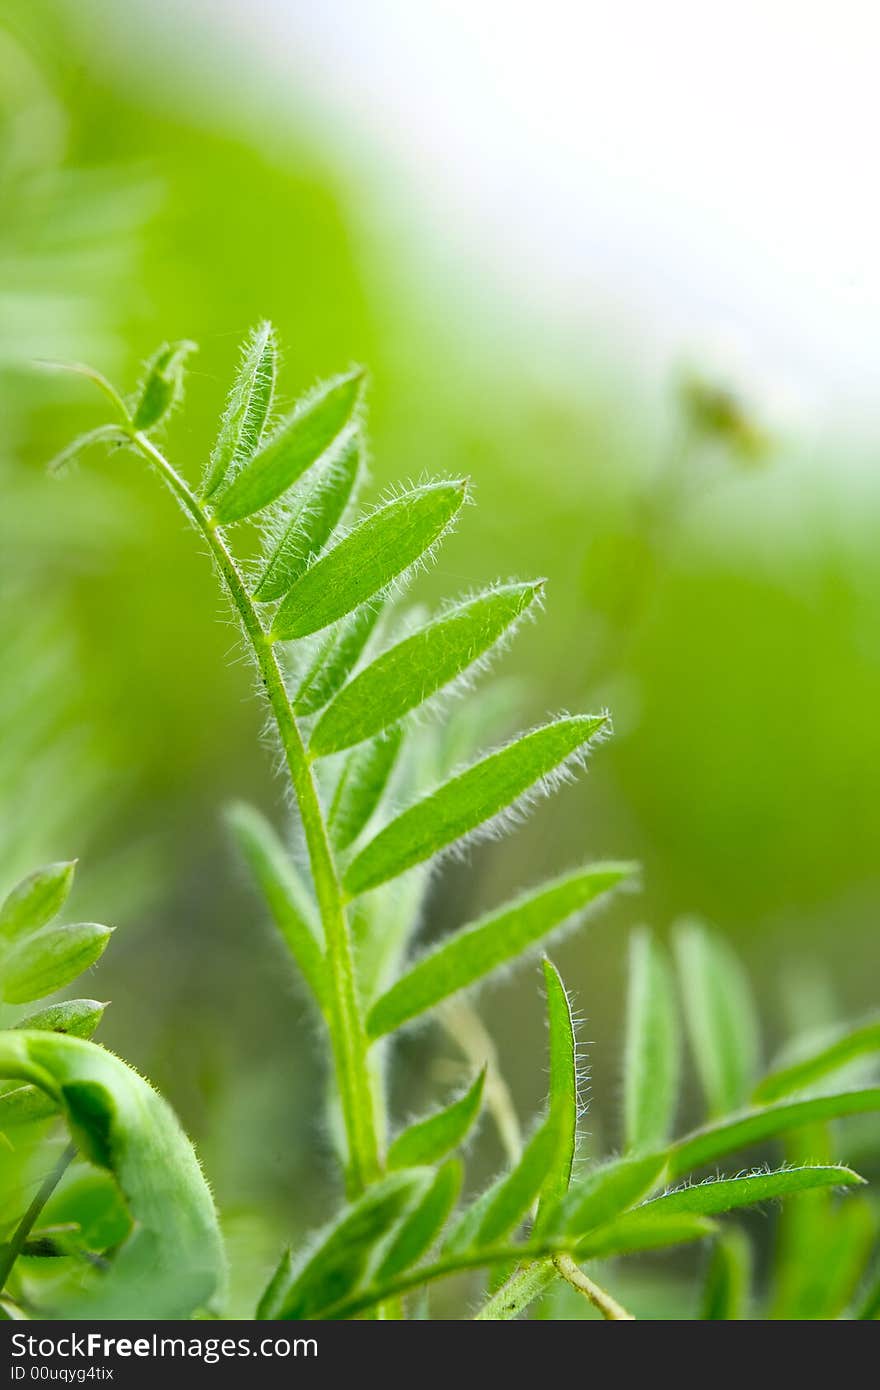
(247,409)
(651,1060)
(469,955)
(380,548)
(51,958)
(36,900)
(720,1016)
(362,781)
(827,1058)
(316,423)
(469,800)
(306,525)
(413,670)
(419,1230)
(430,1139)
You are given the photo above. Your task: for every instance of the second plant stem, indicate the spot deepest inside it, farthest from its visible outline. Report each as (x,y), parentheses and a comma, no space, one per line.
(345,1021)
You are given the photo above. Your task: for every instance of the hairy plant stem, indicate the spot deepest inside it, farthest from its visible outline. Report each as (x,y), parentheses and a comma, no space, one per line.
(19,1239)
(345,1018)
(574,1275)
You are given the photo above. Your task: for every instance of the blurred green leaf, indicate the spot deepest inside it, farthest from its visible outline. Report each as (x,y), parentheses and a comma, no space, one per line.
(34,901)
(640,1230)
(383,545)
(49,959)
(247,409)
(410,672)
(421,1227)
(438,1134)
(652,1051)
(827,1058)
(727,1286)
(720,1015)
(361,784)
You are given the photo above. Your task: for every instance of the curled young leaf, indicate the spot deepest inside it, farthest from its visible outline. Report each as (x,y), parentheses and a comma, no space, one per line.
(49,959)
(315,425)
(477,795)
(36,900)
(162,385)
(380,548)
(431,1139)
(412,671)
(304,528)
(490,942)
(247,409)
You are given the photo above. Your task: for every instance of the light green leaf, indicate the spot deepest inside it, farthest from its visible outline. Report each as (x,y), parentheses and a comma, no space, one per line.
(409,673)
(724,1194)
(316,423)
(306,525)
(162,386)
(503,1205)
(475,952)
(720,1016)
(104,434)
(468,801)
(652,1051)
(337,655)
(419,1230)
(51,958)
(247,409)
(604,1192)
(635,1231)
(728,1279)
(23,1105)
(380,548)
(173,1262)
(827,1058)
(344,1253)
(430,1139)
(78,1017)
(360,787)
(36,900)
(712,1142)
(287,897)
(563,1092)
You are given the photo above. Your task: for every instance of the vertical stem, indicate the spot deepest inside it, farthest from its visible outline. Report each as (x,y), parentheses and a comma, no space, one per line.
(26,1224)
(345,1021)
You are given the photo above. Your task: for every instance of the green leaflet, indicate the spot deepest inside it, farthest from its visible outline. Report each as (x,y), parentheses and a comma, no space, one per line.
(651,1056)
(36,900)
(24,1105)
(430,1139)
(563,1091)
(381,547)
(78,1017)
(604,1192)
(104,434)
(163,384)
(467,801)
(724,1194)
(826,1059)
(511,1196)
(728,1279)
(418,1231)
(346,1251)
(247,409)
(337,655)
(469,955)
(637,1230)
(832,1265)
(720,1015)
(286,896)
(361,784)
(39,964)
(173,1262)
(315,424)
(409,673)
(306,526)
(706,1145)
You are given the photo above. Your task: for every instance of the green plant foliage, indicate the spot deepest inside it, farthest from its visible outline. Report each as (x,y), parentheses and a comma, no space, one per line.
(821,1061)
(247,409)
(433,1138)
(162,387)
(728,1279)
(362,782)
(651,1059)
(720,1017)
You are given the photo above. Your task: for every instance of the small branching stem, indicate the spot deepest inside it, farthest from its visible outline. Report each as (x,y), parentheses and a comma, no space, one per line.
(574,1275)
(19,1238)
(345,1018)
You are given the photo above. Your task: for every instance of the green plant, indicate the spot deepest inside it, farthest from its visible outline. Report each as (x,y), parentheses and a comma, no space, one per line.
(381,795)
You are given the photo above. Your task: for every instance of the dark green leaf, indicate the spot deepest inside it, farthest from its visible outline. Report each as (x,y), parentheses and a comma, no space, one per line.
(36,900)
(360,787)
(381,547)
(163,384)
(651,1060)
(419,1230)
(316,424)
(466,802)
(410,672)
(51,958)
(720,1015)
(430,1139)
(473,953)
(247,409)
(305,527)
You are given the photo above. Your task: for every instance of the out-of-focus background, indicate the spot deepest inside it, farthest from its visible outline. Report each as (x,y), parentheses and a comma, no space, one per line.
(619,265)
